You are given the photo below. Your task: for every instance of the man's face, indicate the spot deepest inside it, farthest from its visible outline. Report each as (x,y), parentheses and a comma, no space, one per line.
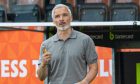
(62,18)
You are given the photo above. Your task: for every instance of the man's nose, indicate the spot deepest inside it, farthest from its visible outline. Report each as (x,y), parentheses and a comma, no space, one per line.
(61,17)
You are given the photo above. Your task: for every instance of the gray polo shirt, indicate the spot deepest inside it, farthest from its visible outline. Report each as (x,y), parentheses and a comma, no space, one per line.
(69,58)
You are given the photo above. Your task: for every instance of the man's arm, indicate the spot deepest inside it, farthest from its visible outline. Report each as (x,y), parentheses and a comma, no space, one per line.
(42,72)
(93,70)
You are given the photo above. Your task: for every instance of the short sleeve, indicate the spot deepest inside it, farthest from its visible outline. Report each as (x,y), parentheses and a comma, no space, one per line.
(91,55)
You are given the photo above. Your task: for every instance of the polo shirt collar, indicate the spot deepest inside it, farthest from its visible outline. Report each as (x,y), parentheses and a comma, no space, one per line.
(73,36)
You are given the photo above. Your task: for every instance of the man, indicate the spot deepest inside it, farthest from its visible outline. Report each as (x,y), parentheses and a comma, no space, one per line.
(69,53)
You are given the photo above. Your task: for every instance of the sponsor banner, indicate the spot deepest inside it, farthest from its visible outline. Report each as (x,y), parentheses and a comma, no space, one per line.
(114,35)
(19,52)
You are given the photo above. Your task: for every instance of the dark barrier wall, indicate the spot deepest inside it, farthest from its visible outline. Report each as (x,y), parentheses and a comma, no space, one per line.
(126,67)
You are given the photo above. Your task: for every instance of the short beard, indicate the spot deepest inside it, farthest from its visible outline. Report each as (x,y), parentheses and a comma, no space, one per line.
(63,28)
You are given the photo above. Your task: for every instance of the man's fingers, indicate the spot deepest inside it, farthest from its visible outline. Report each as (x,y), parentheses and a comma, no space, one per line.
(45,61)
(46,54)
(46,57)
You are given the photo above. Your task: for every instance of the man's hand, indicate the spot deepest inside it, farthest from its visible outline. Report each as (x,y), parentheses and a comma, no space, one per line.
(46,59)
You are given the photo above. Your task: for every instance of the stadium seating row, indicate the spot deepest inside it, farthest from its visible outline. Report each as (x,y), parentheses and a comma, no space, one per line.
(84,12)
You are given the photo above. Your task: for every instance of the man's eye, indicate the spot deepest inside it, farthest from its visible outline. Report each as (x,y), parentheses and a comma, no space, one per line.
(65,14)
(56,16)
